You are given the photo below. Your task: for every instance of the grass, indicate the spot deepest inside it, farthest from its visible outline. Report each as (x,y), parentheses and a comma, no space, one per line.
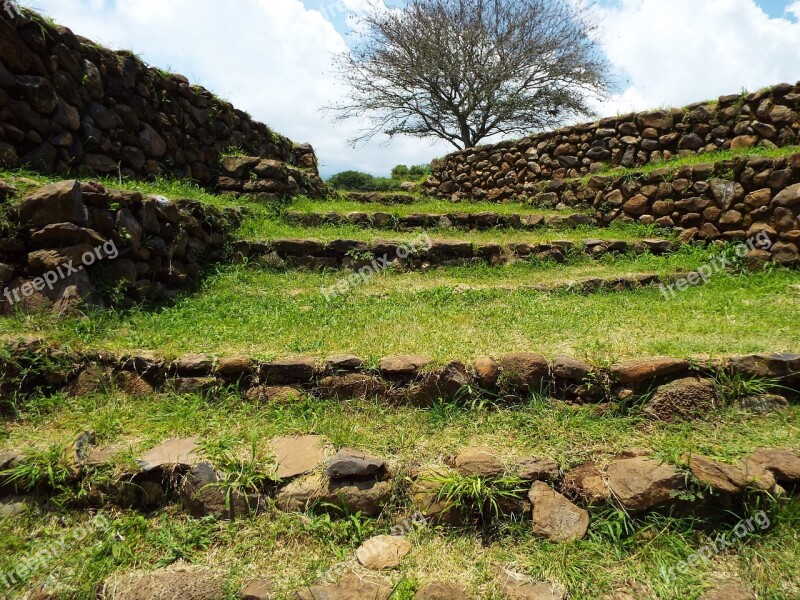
(270,229)
(270,314)
(295,549)
(424,206)
(694,159)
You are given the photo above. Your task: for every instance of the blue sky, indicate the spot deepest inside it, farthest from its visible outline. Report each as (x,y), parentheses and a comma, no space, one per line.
(272,58)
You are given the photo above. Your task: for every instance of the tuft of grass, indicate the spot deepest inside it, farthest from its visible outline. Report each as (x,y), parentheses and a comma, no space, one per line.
(481,496)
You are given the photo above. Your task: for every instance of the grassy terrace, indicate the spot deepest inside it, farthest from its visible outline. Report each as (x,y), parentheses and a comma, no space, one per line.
(296,549)
(424,206)
(278,314)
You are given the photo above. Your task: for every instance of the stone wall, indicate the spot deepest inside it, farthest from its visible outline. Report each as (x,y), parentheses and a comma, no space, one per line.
(72,242)
(512,169)
(267,179)
(68,106)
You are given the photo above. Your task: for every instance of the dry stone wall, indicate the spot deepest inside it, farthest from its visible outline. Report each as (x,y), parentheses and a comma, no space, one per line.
(512,169)
(68,243)
(68,106)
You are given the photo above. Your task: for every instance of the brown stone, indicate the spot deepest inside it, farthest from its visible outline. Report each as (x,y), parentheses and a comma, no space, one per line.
(187,584)
(481,462)
(688,398)
(349,587)
(438,590)
(171,454)
(487,372)
(642,483)
(784,464)
(722,478)
(403,366)
(383,552)
(60,202)
(260,589)
(646,369)
(587,482)
(277,394)
(289,371)
(788,198)
(297,455)
(571,369)
(235,366)
(554,517)
(523,371)
(350,386)
(517,588)
(536,468)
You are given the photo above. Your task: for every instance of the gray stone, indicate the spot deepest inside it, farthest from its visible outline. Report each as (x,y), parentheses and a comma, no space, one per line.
(554,517)
(60,202)
(349,463)
(171,454)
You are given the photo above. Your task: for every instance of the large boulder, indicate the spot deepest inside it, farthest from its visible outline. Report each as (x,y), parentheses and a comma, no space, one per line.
(554,517)
(642,483)
(60,202)
(688,398)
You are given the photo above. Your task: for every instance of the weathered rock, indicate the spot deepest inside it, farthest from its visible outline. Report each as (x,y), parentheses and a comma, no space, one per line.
(289,371)
(788,198)
(764,403)
(534,468)
(783,464)
(688,398)
(184,583)
(194,385)
(721,477)
(13,506)
(647,369)
(365,496)
(523,371)
(351,386)
(516,587)
(202,496)
(383,552)
(587,482)
(344,363)
(297,455)
(487,371)
(729,591)
(403,367)
(554,517)
(58,235)
(642,483)
(60,202)
(571,369)
(349,463)
(438,590)
(785,367)
(349,587)
(259,589)
(180,453)
(481,462)
(235,366)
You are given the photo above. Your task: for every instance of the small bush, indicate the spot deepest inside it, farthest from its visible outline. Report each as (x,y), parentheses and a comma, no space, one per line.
(356,181)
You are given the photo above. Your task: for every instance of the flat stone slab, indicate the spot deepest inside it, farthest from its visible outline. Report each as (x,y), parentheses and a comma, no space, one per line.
(349,587)
(481,462)
(351,463)
(171,454)
(186,584)
(298,455)
(260,589)
(383,552)
(554,517)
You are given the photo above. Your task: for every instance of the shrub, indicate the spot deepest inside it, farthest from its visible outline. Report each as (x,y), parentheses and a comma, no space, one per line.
(363,182)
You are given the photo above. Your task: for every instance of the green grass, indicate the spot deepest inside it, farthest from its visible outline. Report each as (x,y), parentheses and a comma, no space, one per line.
(694,159)
(423,206)
(271,314)
(295,549)
(263,229)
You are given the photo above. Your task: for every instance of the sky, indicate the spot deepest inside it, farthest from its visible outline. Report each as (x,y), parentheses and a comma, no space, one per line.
(272,58)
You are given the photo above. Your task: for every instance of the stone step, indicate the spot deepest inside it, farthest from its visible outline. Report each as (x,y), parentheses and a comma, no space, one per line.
(455,220)
(424,252)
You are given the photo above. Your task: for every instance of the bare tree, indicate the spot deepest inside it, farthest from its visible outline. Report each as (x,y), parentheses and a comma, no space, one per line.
(464,70)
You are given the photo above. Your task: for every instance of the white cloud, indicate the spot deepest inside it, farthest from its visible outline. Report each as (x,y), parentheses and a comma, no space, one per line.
(272,58)
(681,51)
